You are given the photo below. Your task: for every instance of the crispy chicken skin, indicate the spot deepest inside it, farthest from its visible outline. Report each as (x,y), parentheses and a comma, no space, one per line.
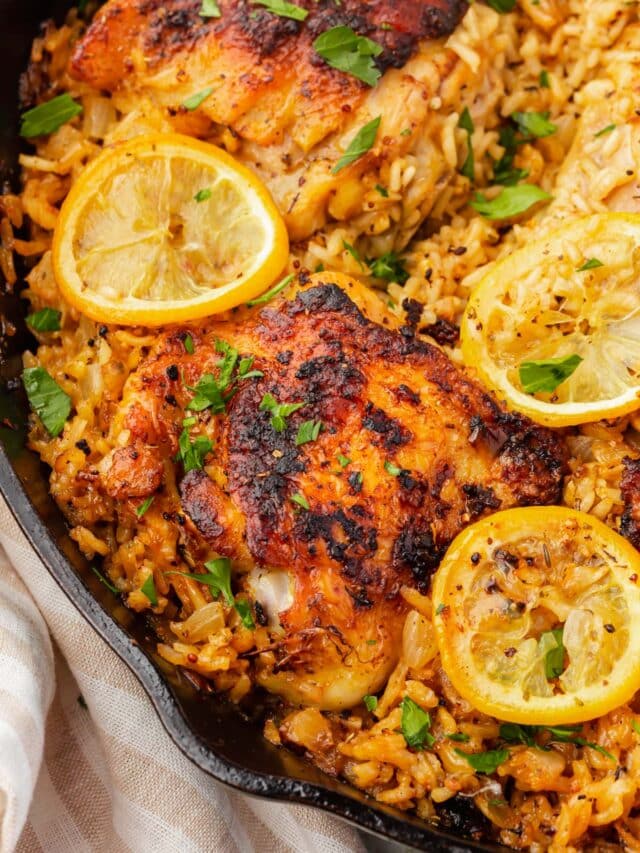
(428,452)
(293,113)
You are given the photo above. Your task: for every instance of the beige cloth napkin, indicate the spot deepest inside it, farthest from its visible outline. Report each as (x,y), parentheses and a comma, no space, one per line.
(99,772)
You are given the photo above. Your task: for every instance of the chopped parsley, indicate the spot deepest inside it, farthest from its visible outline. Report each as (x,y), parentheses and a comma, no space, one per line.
(459,737)
(370,702)
(605,130)
(104,581)
(353,252)
(144,506)
(279,411)
(218,579)
(392,469)
(300,500)
(188,345)
(591,264)
(308,431)
(415,725)
(547,374)
(389,267)
(214,393)
(346,51)
(192,453)
(47,399)
(209,9)
(466,123)
(359,145)
(543,79)
(193,102)
(554,658)
(284,9)
(343,460)
(485,762)
(148,588)
(45,320)
(47,117)
(202,195)
(515,733)
(504,172)
(260,300)
(440,608)
(512,201)
(635,726)
(534,125)
(502,6)
(384,192)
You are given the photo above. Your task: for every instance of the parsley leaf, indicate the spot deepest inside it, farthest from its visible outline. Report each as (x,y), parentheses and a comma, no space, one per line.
(370,702)
(47,117)
(193,102)
(635,726)
(346,51)
(466,123)
(601,132)
(343,460)
(210,9)
(554,658)
(536,125)
(260,300)
(591,264)
(284,9)
(547,374)
(214,393)
(359,145)
(383,191)
(47,399)
(392,469)
(515,733)
(459,737)
(243,609)
(502,6)
(279,411)
(188,345)
(504,171)
(144,506)
(218,579)
(353,252)
(300,500)
(148,588)
(104,581)
(202,195)
(485,762)
(512,201)
(415,725)
(45,320)
(544,79)
(192,453)
(308,431)
(389,267)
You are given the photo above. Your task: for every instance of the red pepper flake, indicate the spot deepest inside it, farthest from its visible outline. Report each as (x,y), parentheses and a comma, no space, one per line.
(192,658)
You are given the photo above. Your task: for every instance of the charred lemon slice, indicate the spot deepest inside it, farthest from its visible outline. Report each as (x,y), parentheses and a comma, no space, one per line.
(163,229)
(537,616)
(555,327)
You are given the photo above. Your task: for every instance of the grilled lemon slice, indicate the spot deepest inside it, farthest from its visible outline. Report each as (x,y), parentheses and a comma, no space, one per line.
(555,327)
(537,615)
(163,229)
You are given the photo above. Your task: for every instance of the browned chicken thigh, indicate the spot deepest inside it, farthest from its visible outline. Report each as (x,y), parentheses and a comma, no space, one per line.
(404,451)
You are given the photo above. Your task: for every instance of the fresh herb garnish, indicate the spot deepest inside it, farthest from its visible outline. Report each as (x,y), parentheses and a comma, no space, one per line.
(202,195)
(502,6)
(459,737)
(218,579)
(635,726)
(359,145)
(300,500)
(214,393)
(392,469)
(343,49)
(406,132)
(605,130)
(260,300)
(353,252)
(547,374)
(514,733)
(415,725)
(389,267)
(188,345)
(144,506)
(148,588)
(504,172)
(47,399)
(47,117)
(284,9)
(591,264)
(534,125)
(543,79)
(104,581)
(343,460)
(192,453)
(370,702)
(512,201)
(466,123)
(485,762)
(209,9)
(193,102)
(308,431)
(554,658)
(384,192)
(45,320)
(279,411)
(440,608)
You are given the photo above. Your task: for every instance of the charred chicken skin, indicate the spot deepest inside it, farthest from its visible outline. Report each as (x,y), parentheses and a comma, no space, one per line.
(291,114)
(324,534)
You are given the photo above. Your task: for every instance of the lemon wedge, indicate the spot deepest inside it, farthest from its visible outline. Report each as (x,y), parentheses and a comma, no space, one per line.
(164,229)
(554,328)
(536,615)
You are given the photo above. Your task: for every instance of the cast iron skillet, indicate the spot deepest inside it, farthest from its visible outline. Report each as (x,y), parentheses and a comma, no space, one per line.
(207,729)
